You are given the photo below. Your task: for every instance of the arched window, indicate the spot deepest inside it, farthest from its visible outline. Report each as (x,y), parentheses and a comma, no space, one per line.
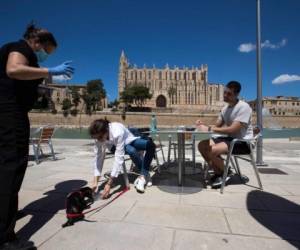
(131,75)
(159,75)
(170,75)
(149,74)
(141,75)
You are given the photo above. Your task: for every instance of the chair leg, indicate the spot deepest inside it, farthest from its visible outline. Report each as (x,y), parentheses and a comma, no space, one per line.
(52,150)
(226,167)
(255,169)
(238,166)
(125,175)
(234,166)
(161,148)
(157,162)
(194,153)
(36,153)
(175,149)
(205,169)
(169,150)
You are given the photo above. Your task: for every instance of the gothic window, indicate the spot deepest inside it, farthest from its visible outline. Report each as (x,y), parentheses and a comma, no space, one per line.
(149,74)
(141,75)
(160,85)
(170,75)
(131,75)
(194,76)
(186,76)
(160,75)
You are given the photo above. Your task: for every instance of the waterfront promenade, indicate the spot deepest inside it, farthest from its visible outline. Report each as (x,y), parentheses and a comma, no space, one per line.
(166,216)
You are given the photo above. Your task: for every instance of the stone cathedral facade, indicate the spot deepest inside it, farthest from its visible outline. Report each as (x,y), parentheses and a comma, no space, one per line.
(181,89)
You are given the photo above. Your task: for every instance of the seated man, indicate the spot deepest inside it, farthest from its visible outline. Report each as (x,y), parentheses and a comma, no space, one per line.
(116,134)
(234,121)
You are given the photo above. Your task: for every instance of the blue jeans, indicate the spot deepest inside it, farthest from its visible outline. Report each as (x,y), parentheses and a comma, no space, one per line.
(143,163)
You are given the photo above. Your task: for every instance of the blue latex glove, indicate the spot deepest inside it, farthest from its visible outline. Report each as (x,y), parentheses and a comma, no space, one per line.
(62,69)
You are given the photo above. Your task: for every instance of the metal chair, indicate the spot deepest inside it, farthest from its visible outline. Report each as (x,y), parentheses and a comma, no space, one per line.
(233,158)
(41,136)
(158,148)
(190,142)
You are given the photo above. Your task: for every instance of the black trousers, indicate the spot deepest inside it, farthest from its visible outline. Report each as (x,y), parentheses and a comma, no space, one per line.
(14,147)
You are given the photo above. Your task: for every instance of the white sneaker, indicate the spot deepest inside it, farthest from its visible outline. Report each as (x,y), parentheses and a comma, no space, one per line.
(140,184)
(149,180)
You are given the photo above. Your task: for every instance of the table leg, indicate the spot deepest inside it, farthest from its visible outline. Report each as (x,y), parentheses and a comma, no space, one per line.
(181,157)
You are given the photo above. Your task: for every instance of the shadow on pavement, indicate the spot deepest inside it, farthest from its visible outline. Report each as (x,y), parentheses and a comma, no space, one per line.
(281,216)
(52,203)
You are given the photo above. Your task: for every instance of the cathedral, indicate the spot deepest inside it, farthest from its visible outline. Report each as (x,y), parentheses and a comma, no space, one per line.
(180,89)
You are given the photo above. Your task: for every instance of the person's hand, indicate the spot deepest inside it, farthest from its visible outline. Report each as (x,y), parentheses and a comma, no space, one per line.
(94,188)
(105,192)
(202,127)
(62,69)
(199,122)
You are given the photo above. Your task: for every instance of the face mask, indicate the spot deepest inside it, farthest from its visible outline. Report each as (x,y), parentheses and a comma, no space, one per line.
(41,55)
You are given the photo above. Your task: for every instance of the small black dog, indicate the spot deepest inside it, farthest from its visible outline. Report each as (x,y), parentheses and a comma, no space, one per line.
(76,202)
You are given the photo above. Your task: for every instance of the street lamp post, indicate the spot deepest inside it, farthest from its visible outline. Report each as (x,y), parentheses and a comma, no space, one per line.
(259,149)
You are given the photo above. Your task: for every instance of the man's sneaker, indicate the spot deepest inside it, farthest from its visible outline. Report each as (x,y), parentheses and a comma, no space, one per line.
(140,184)
(218,181)
(214,177)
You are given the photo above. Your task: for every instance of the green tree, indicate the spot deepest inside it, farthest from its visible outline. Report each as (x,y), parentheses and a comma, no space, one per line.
(114,103)
(75,96)
(66,105)
(88,102)
(135,94)
(95,92)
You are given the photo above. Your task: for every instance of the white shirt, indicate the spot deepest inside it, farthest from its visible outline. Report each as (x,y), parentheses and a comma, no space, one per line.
(119,136)
(240,112)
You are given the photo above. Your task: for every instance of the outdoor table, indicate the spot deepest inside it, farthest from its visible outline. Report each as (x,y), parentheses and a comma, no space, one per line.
(181,146)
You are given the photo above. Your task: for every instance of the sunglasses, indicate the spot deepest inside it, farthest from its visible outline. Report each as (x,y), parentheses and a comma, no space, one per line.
(229,93)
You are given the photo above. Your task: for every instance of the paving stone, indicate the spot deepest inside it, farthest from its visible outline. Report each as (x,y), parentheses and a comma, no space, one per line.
(110,236)
(203,241)
(178,216)
(264,223)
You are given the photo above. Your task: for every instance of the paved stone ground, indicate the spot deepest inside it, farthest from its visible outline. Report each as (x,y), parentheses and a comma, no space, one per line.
(165,216)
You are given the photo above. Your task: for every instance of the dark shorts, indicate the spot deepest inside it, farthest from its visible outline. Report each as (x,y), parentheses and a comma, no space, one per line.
(239,147)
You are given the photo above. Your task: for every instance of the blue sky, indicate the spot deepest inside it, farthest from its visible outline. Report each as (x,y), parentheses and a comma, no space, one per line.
(220,33)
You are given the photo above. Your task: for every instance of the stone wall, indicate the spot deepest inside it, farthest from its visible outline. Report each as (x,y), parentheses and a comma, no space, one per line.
(143,119)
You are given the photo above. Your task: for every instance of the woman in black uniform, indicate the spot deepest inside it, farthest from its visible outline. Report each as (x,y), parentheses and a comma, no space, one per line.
(20,76)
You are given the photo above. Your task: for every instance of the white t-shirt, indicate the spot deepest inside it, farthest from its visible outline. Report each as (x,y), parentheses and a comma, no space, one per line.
(240,112)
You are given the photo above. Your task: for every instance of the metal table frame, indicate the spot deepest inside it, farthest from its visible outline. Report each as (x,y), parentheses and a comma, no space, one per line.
(181,147)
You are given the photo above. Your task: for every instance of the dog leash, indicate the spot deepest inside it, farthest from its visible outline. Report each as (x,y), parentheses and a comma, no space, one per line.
(99,207)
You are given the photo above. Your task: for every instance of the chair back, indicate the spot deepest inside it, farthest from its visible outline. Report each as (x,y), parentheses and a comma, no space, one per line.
(46,134)
(188,136)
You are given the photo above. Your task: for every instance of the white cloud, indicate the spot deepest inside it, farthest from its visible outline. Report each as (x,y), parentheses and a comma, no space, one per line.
(248,47)
(286,78)
(61,78)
